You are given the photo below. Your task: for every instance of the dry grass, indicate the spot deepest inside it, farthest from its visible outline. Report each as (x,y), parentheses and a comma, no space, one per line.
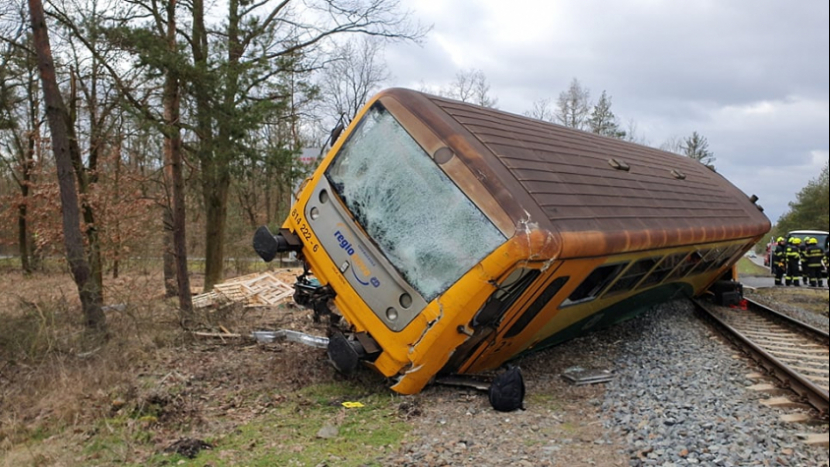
(55,380)
(52,375)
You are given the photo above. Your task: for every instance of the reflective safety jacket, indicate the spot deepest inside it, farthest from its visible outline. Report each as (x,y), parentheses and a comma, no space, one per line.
(793,254)
(813,256)
(779,254)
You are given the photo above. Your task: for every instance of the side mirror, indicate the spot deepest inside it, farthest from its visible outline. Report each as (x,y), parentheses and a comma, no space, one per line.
(265,244)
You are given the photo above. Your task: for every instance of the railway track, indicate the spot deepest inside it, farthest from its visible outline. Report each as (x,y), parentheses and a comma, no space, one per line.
(793,352)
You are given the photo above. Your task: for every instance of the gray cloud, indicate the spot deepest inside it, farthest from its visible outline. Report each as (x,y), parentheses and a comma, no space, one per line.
(751,76)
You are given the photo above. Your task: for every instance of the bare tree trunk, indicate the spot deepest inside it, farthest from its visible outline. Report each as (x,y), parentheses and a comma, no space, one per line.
(116,260)
(22,210)
(25,149)
(173,174)
(268,189)
(23,238)
(170,282)
(215,192)
(85,179)
(63,144)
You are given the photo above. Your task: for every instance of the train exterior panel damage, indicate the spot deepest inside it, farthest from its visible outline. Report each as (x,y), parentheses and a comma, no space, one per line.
(451,238)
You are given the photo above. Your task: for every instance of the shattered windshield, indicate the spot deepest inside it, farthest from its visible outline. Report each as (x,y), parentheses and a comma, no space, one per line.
(421,221)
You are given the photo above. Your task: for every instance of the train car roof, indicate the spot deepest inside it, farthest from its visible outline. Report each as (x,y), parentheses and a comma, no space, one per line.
(572,181)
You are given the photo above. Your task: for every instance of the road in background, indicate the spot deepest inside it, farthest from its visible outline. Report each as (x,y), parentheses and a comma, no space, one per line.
(757,281)
(752,281)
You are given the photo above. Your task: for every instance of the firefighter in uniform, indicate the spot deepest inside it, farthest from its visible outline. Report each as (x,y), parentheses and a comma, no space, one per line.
(779,260)
(793,255)
(827,261)
(814,254)
(802,250)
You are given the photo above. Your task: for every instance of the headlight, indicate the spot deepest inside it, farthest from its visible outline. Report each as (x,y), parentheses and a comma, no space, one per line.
(391,314)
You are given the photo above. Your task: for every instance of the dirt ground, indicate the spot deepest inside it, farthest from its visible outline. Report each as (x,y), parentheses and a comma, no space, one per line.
(152,395)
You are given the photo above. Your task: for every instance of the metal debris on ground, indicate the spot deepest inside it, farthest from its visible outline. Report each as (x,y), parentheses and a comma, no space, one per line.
(292,336)
(580,376)
(260,289)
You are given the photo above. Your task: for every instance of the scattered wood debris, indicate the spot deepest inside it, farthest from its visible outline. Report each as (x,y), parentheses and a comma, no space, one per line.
(260,289)
(220,335)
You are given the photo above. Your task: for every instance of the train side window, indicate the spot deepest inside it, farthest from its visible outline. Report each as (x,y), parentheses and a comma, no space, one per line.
(709,261)
(663,269)
(725,257)
(504,296)
(693,259)
(550,291)
(633,275)
(594,284)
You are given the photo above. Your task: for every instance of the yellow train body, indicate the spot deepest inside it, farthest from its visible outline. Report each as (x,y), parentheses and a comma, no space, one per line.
(554,270)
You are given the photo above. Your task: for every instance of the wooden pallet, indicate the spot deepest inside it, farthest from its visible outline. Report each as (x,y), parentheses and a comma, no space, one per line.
(261,289)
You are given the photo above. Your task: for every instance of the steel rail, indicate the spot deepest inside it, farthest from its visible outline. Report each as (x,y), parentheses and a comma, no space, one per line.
(819,333)
(814,395)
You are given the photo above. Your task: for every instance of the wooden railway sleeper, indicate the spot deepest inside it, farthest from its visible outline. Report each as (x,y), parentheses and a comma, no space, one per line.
(788,377)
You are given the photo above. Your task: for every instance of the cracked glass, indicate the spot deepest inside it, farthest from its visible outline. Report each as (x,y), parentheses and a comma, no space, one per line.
(413,212)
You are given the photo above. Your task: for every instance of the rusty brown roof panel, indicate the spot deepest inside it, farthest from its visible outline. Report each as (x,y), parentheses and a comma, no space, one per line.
(564,176)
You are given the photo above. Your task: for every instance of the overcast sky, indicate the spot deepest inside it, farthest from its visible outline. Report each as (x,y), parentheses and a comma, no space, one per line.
(750,75)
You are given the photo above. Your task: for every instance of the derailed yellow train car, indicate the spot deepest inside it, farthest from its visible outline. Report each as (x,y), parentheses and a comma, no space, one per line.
(450,238)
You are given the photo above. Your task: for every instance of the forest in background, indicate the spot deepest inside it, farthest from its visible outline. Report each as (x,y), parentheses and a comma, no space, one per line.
(810,209)
(182,123)
(223,107)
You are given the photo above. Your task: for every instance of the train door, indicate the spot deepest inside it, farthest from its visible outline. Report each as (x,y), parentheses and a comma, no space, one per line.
(518,298)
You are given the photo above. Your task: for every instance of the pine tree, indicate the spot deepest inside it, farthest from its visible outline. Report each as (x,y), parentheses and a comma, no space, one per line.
(603,121)
(811,207)
(697,148)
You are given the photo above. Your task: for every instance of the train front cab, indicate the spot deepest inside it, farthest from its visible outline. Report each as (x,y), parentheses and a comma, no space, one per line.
(399,271)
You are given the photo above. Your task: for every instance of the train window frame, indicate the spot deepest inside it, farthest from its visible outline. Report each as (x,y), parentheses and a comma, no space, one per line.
(505,295)
(660,272)
(630,280)
(726,256)
(711,261)
(610,271)
(688,264)
(538,304)
(706,261)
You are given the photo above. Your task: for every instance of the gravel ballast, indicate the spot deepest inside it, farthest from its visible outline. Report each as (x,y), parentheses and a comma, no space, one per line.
(678,397)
